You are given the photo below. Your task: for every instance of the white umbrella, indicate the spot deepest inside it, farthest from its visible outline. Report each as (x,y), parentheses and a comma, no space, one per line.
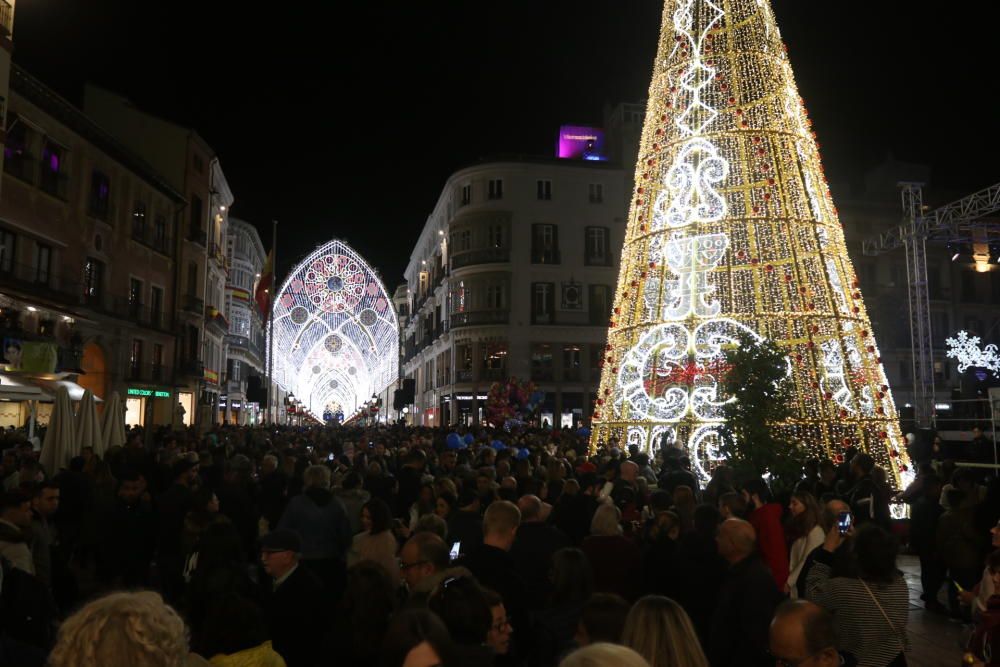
(113,428)
(60,435)
(88,426)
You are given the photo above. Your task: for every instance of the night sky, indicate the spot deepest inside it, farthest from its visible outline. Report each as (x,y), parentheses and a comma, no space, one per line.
(345,118)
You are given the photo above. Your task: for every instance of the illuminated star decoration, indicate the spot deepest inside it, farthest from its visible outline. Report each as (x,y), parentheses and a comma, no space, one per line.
(965,349)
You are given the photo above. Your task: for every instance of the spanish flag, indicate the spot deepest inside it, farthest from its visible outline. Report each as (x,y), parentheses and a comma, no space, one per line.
(262,295)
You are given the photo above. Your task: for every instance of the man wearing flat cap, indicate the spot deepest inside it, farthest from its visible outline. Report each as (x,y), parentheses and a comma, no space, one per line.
(292,599)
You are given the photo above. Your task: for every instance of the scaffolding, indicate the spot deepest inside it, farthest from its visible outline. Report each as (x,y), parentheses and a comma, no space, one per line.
(957,222)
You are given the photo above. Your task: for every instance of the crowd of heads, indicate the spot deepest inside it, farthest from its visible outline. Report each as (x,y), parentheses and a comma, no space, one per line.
(536,551)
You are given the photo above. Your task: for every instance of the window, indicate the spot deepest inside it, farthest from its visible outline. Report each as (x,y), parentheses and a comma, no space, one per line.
(99,205)
(494,297)
(496,233)
(600,304)
(495,189)
(160,232)
(541,361)
(466,195)
(193,279)
(199,164)
(93,279)
(7,246)
(193,343)
(544,244)
(596,355)
(596,193)
(157,362)
(544,190)
(197,213)
(52,177)
(43,263)
(16,159)
(543,303)
(155,306)
(134,297)
(135,357)
(461,240)
(596,246)
(494,359)
(139,221)
(572,362)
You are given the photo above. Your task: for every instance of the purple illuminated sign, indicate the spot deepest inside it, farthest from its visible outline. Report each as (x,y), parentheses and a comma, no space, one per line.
(577,142)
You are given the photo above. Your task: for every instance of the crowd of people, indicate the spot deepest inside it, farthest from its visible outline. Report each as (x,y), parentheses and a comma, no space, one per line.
(402,546)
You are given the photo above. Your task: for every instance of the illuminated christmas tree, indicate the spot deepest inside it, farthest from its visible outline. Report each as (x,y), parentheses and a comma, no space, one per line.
(732,232)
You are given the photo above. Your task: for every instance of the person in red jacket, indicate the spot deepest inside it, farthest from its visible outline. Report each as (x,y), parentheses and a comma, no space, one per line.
(765,517)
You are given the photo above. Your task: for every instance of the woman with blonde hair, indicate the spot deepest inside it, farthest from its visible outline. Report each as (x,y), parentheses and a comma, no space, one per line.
(135,629)
(603,654)
(660,631)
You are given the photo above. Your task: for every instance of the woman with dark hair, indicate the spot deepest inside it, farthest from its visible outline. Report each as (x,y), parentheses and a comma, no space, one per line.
(236,635)
(871,610)
(572,583)
(461,604)
(808,535)
(425,504)
(363,615)
(376,542)
(700,569)
(221,570)
(445,504)
(417,638)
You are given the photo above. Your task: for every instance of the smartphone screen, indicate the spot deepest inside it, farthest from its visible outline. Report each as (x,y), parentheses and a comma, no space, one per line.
(456,549)
(844,522)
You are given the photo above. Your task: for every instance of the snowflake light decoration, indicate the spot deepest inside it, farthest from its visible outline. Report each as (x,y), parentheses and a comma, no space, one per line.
(965,349)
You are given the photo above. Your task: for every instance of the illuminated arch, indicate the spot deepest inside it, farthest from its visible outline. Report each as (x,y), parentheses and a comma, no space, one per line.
(336,338)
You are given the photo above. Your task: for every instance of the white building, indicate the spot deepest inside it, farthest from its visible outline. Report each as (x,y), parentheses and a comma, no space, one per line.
(514,275)
(245,340)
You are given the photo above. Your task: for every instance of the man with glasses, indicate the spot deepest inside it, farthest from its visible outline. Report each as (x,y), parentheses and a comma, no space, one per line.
(422,562)
(802,635)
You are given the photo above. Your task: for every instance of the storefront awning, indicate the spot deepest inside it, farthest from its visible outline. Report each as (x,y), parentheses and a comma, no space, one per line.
(19,390)
(75,390)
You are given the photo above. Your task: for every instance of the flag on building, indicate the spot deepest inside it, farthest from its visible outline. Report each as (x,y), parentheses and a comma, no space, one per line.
(262,295)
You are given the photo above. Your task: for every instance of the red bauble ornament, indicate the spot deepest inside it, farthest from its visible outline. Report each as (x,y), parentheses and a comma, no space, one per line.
(769,268)
(839,458)
(846,441)
(798,357)
(652,265)
(884,388)
(815,385)
(732,100)
(767,196)
(810,345)
(756,140)
(755,261)
(815,329)
(618,311)
(828,396)
(871,348)
(856,310)
(883,434)
(903,468)
(639,190)
(663,117)
(745,124)
(770,181)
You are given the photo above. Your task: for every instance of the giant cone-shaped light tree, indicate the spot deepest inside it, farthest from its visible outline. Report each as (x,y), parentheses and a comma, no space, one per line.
(732,232)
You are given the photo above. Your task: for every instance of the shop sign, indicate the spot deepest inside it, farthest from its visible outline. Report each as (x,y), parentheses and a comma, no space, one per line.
(154,393)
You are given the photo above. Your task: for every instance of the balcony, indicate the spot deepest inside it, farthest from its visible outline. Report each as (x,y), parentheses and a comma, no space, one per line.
(191,368)
(493,374)
(545,256)
(464,375)
(197,236)
(192,304)
(20,165)
(481,317)
(483,256)
(151,373)
(216,321)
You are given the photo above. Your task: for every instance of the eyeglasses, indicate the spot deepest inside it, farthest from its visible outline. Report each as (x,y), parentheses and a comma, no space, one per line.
(784,662)
(406,566)
(503,625)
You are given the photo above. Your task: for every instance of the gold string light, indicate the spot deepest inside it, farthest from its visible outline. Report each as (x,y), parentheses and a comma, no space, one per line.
(732,231)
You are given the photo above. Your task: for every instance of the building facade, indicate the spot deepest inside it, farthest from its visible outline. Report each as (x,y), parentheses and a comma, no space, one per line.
(188,164)
(245,340)
(513,276)
(87,259)
(6,49)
